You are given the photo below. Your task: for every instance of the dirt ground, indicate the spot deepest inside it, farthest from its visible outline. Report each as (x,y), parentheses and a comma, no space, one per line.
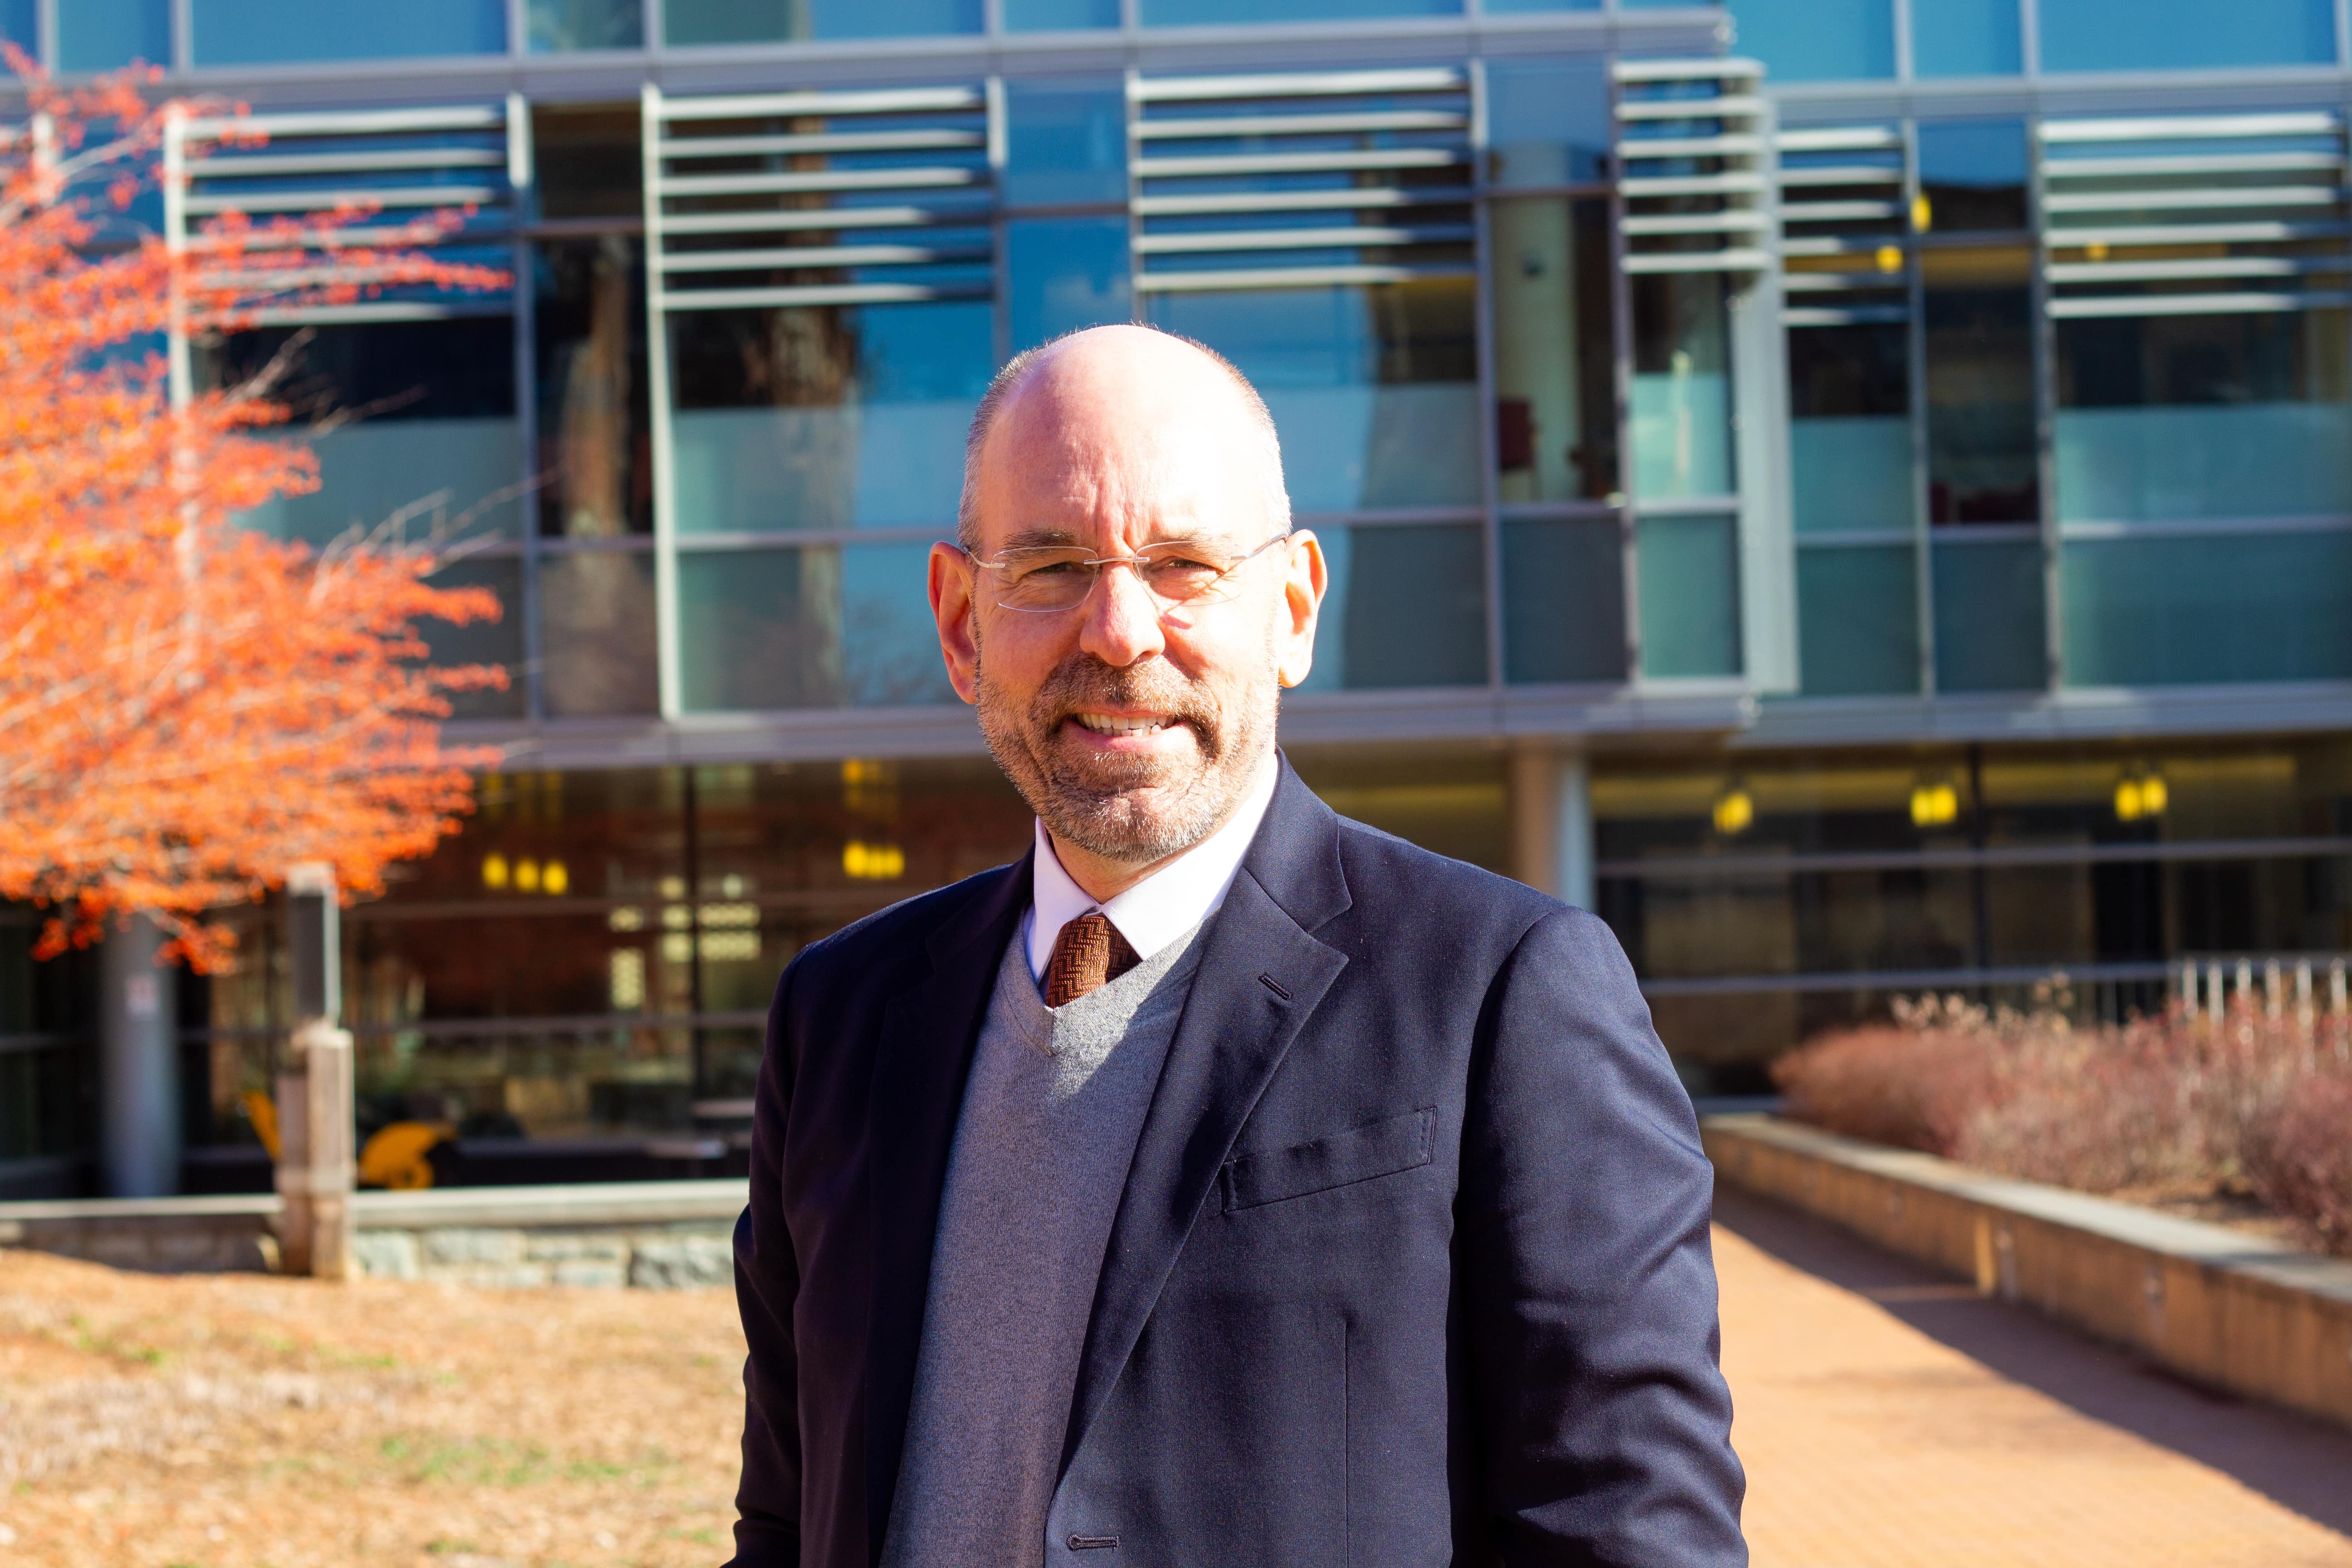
(1888,1419)
(245,1422)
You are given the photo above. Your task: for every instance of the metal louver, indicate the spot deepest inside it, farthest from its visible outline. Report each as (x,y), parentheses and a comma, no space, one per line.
(1301,180)
(2194,215)
(818,198)
(339,184)
(1693,151)
(1844,232)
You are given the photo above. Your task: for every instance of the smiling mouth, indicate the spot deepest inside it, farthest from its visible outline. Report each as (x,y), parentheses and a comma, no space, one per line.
(1120,724)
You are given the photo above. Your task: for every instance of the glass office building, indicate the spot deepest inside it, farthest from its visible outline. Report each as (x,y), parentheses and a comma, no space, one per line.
(1858,493)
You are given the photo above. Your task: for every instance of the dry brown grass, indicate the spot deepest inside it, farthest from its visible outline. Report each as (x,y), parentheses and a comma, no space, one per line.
(245,1422)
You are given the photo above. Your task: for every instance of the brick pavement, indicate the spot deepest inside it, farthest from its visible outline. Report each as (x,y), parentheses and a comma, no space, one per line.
(1889,1418)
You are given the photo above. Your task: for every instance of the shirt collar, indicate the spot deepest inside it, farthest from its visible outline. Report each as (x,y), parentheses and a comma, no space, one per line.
(1164,905)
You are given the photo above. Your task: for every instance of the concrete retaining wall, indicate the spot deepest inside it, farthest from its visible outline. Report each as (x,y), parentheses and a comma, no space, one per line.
(2228,1310)
(649,1234)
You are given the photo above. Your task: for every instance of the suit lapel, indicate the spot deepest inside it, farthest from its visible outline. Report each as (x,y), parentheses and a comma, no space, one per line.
(920,1063)
(1261,975)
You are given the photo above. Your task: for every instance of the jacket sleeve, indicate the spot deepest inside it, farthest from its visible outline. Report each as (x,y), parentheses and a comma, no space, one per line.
(1602,1420)
(767,1283)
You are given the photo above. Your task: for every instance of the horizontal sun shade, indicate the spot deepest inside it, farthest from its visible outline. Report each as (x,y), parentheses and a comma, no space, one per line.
(1844,232)
(333,198)
(1305,180)
(1694,158)
(2194,215)
(818,198)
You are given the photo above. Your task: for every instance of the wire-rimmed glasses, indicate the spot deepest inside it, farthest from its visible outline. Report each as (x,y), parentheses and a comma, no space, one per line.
(1049,579)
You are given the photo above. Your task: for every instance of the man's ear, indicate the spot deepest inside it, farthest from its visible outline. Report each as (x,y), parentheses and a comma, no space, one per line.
(1304,578)
(952,607)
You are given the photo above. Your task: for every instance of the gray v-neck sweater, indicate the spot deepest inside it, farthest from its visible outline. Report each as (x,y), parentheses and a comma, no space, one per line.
(1042,1148)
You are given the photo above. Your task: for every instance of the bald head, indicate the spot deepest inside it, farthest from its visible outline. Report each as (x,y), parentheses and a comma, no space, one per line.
(1115,410)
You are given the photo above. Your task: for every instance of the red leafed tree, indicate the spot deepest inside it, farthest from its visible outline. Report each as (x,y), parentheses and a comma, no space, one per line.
(188,707)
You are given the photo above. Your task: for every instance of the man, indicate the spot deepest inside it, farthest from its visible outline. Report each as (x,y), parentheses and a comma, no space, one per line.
(1224,1183)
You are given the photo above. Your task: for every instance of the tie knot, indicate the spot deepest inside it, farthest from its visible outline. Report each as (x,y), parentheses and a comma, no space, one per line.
(1087,954)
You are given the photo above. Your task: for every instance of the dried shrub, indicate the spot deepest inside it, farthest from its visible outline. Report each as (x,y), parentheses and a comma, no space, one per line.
(2304,1165)
(2178,1102)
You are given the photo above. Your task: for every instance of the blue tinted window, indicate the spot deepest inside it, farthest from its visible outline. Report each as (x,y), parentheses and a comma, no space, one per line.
(1857,620)
(770,21)
(1204,13)
(1059,15)
(1374,390)
(1066,273)
(820,628)
(1407,606)
(20,25)
(1989,632)
(2185,34)
(1972,174)
(559,24)
(2185,611)
(261,32)
(1965,37)
(102,34)
(1503,7)
(1689,595)
(1563,600)
(1066,142)
(1818,40)
(1547,121)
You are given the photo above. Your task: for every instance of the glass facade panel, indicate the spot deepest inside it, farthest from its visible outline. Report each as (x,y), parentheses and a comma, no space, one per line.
(1972,175)
(1850,427)
(1682,387)
(813,627)
(781,21)
(20,24)
(1057,15)
(1689,576)
(1563,600)
(1547,120)
(1982,461)
(1989,622)
(1555,356)
(1407,606)
(1374,389)
(273,32)
(1965,37)
(558,25)
(2239,606)
(818,416)
(597,634)
(1065,141)
(595,423)
(103,35)
(1065,274)
(1818,40)
(1453,801)
(2184,35)
(589,160)
(1857,620)
(435,443)
(2171,417)
(1234,13)
(498,642)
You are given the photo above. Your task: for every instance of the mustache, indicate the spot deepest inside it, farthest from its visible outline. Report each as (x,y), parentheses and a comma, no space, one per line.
(1086,681)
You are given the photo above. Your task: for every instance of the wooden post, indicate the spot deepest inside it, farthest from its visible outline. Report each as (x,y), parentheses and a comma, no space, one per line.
(315,1092)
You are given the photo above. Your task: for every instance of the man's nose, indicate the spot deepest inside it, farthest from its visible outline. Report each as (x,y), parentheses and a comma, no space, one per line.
(1122,618)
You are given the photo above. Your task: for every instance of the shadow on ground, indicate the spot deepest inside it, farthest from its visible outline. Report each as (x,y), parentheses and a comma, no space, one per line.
(2298,1462)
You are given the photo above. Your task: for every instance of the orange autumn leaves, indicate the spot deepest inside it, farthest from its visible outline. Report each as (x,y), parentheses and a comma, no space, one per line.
(187,708)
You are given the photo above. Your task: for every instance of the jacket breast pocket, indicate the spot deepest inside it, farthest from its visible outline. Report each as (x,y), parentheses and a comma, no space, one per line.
(1377,1149)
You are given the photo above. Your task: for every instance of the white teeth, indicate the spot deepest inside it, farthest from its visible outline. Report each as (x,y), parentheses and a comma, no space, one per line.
(1111,724)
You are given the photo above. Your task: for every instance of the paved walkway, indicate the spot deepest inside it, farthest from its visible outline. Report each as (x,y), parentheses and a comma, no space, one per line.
(1890,1418)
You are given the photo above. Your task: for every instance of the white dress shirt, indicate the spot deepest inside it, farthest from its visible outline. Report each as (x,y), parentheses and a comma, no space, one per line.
(1164,905)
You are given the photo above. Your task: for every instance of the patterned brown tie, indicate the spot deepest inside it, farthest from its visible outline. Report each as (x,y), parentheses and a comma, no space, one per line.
(1087,954)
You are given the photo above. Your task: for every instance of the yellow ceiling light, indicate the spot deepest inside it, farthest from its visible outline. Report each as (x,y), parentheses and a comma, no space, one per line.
(2140,796)
(526,876)
(1735,811)
(555,879)
(873,862)
(1890,258)
(1934,805)
(494,872)
(1923,214)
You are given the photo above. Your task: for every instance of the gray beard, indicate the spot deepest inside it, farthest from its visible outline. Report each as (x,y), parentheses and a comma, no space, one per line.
(1137,812)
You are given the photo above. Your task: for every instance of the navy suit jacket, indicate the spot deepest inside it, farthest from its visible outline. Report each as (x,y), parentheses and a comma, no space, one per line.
(1411,1267)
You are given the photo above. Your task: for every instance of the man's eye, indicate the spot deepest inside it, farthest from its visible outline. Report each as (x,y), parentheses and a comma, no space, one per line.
(1046,569)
